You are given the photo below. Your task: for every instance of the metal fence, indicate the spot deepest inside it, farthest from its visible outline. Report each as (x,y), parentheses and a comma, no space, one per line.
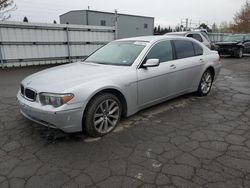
(217,37)
(23,44)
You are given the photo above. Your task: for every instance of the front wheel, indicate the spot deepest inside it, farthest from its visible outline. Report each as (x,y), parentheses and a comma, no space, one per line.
(205,83)
(239,53)
(102,115)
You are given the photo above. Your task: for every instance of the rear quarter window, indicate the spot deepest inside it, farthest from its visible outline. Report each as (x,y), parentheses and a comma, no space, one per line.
(197,49)
(184,49)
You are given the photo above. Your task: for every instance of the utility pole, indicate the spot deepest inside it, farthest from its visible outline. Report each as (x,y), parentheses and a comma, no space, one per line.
(87,16)
(116,24)
(186,24)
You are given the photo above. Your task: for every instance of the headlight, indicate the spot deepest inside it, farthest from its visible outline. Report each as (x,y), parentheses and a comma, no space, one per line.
(55,100)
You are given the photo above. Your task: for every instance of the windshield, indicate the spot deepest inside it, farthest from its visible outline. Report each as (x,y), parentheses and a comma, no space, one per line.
(234,38)
(121,53)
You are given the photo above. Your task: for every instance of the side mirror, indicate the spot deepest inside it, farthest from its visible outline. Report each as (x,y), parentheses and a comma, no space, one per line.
(152,63)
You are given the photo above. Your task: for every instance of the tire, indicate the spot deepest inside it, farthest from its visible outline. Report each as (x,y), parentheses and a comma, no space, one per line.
(102,115)
(239,53)
(206,83)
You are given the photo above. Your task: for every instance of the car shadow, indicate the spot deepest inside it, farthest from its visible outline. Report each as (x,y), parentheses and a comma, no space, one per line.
(54,136)
(232,57)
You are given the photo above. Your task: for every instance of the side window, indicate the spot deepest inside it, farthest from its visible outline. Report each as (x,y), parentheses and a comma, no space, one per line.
(197,49)
(145,26)
(162,51)
(197,37)
(190,36)
(247,38)
(184,49)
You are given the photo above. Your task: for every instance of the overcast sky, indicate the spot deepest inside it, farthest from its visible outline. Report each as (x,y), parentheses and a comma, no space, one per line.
(166,12)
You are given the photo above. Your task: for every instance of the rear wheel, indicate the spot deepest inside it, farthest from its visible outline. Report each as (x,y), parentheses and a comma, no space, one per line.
(205,83)
(102,115)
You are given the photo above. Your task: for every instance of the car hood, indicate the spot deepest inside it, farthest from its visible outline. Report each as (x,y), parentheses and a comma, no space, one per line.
(227,43)
(64,77)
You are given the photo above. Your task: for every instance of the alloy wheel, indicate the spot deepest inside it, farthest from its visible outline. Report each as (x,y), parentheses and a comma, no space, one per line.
(206,82)
(240,53)
(106,116)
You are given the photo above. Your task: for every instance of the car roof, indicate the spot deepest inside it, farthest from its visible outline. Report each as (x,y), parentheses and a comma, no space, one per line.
(152,38)
(183,33)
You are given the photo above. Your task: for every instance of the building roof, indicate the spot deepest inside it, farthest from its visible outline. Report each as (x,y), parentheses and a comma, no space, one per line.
(107,13)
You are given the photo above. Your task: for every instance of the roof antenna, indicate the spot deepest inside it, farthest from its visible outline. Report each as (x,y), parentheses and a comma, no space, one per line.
(88,7)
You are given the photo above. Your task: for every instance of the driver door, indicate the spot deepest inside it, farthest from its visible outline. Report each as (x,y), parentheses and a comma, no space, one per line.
(154,83)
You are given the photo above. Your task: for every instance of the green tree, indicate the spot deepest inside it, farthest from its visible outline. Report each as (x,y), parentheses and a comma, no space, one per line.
(178,28)
(170,29)
(25,19)
(205,26)
(155,30)
(159,29)
(162,30)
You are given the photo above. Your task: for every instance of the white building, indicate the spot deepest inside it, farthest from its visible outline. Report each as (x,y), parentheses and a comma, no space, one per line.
(127,25)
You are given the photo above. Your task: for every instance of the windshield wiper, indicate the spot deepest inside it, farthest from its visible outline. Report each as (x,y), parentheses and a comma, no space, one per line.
(95,62)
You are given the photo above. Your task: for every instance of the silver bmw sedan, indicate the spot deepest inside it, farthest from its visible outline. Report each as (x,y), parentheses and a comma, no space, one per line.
(117,80)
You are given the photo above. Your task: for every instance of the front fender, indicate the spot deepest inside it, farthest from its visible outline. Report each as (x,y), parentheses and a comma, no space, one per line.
(103,88)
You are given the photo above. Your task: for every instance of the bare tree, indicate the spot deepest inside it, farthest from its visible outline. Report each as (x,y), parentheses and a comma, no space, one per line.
(6,6)
(242,19)
(225,27)
(215,28)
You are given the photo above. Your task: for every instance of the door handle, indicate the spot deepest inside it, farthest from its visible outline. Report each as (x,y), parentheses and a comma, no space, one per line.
(201,60)
(172,66)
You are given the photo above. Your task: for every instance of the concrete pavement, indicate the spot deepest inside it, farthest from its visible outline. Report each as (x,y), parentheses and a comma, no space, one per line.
(185,142)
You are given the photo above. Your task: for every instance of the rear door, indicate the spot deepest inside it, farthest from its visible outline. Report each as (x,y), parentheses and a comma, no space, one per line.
(199,37)
(188,64)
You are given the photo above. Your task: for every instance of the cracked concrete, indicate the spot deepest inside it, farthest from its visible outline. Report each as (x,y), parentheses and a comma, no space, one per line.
(185,142)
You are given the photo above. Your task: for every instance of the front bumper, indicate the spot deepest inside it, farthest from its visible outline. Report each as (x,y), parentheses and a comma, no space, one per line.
(227,51)
(217,71)
(69,120)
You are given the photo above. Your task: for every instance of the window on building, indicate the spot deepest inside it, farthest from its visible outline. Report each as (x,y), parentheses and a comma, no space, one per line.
(145,26)
(103,22)
(184,49)
(162,51)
